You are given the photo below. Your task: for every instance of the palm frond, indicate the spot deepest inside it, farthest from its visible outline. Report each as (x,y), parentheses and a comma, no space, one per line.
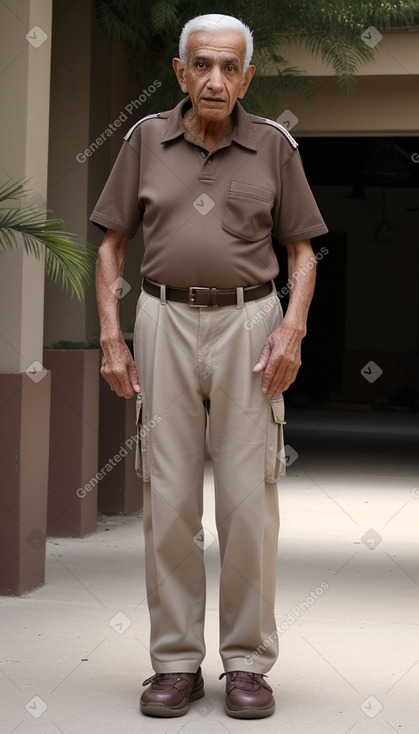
(68,258)
(123,21)
(346,56)
(13,190)
(69,265)
(164,15)
(332,28)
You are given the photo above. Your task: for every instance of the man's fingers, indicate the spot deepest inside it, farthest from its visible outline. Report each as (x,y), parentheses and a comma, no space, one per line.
(113,381)
(273,382)
(263,359)
(133,376)
(278,385)
(279,375)
(122,380)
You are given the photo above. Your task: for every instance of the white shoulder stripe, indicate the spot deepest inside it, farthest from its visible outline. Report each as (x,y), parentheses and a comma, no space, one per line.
(283,130)
(131,130)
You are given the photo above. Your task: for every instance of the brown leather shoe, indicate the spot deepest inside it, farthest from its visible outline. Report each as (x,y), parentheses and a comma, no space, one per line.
(169,693)
(247,695)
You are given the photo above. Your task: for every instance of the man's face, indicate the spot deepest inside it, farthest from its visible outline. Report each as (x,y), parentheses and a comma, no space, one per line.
(214,77)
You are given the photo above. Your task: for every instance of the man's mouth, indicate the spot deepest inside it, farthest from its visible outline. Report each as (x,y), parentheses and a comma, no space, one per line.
(213,99)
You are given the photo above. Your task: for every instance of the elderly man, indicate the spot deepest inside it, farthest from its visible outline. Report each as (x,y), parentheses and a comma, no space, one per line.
(210,184)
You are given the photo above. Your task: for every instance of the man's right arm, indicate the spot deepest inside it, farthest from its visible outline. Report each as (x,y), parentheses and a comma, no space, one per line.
(118,367)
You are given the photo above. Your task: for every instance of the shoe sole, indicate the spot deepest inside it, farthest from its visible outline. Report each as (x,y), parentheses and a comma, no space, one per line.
(159,709)
(250,713)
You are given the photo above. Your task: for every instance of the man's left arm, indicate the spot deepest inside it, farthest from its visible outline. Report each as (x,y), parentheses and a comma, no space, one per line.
(280,358)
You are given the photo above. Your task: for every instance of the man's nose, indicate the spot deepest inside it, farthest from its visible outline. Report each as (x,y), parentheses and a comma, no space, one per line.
(215,81)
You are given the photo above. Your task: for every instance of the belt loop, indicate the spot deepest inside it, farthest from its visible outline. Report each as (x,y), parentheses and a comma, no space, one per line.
(240,298)
(163,300)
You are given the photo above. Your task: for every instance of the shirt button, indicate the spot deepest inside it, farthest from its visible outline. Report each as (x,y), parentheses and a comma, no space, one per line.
(203,154)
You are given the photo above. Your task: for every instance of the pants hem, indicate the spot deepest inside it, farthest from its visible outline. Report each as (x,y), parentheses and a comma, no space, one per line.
(239,664)
(177,666)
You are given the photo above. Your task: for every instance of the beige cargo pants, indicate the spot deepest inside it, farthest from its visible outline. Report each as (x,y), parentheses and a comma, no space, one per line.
(185,356)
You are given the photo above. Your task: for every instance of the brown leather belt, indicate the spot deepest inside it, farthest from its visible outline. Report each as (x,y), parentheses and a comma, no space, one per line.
(198,296)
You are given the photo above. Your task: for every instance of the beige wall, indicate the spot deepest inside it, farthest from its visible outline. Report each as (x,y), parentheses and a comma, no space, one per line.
(397,53)
(379,106)
(384,102)
(24,121)
(79,106)
(88,92)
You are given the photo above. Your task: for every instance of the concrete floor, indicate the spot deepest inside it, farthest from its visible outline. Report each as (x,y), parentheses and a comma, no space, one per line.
(74,652)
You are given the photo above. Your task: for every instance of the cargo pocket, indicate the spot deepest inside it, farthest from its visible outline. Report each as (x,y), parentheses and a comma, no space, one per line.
(142,453)
(275,466)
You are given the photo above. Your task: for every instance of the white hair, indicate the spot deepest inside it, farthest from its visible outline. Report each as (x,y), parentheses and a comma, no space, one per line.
(215,23)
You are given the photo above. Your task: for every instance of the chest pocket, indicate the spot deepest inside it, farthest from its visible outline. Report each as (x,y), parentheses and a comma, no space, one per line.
(247,213)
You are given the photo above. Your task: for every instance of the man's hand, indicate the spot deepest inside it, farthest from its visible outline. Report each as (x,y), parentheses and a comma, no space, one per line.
(281,355)
(280,358)
(119,370)
(118,367)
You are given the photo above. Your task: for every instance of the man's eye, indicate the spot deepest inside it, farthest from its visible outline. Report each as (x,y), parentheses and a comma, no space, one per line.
(230,68)
(201,65)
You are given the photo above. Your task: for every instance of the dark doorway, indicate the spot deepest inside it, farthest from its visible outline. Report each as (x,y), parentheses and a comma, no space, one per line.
(366,304)
(321,372)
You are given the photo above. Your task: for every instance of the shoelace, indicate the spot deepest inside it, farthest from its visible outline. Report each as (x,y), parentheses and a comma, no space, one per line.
(252,675)
(237,680)
(159,676)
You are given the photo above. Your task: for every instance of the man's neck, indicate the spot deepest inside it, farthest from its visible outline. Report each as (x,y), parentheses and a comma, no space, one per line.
(209,132)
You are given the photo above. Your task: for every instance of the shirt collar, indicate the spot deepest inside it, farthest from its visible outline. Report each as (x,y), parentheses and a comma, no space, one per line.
(242,132)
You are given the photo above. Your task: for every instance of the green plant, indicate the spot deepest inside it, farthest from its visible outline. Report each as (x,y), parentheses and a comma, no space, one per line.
(332,28)
(67,258)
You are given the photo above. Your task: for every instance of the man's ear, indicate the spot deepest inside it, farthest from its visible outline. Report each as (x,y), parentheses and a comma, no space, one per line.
(246,81)
(180,74)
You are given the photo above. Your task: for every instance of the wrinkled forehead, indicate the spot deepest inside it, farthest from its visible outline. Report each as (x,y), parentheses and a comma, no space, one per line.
(223,43)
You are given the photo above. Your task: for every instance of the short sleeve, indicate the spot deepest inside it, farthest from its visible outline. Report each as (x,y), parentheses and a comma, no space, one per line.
(118,207)
(296,214)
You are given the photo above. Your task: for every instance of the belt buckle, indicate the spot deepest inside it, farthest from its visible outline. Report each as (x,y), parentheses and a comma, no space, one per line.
(192,294)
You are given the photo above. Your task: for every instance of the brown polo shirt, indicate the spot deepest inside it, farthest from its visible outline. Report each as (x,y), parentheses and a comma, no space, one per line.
(207,217)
